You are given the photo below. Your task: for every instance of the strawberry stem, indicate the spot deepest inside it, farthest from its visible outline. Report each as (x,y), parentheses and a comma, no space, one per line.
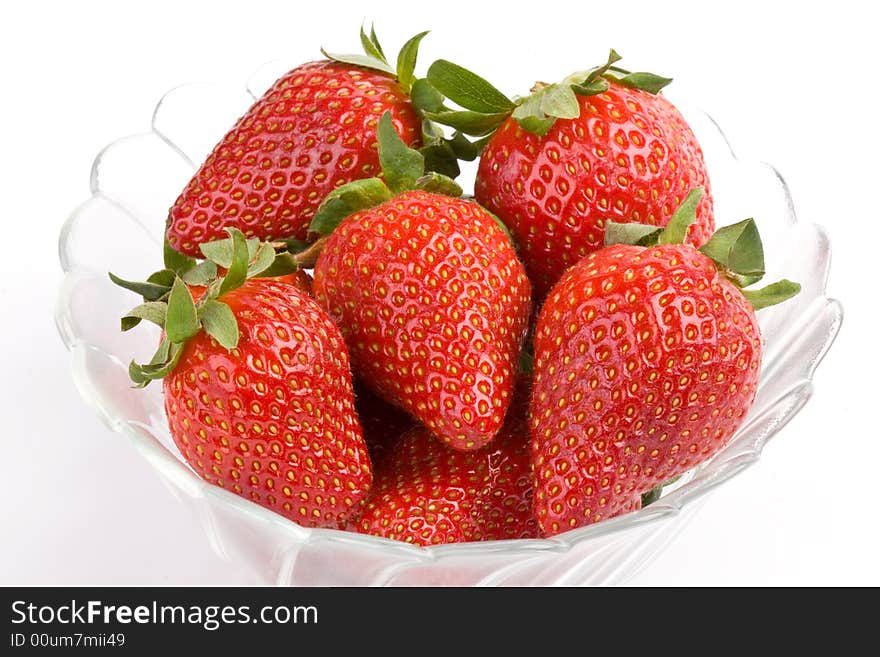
(486,108)
(306,259)
(685,215)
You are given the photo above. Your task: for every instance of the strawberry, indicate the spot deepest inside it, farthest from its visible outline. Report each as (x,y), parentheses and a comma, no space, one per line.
(382,423)
(603,145)
(432,302)
(257,385)
(311,132)
(301,279)
(429,295)
(429,494)
(646,362)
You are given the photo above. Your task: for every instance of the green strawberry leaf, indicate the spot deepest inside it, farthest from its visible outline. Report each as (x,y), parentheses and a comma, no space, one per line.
(152,311)
(282,264)
(375,40)
(537,125)
(431,132)
(162,277)
(346,200)
(471,123)
(438,151)
(175,260)
(651,496)
(222,251)
(263,259)
(406,61)
(592,88)
(163,361)
(440,158)
(467,89)
(202,274)
(538,112)
(181,317)
(401,164)
(360,60)
(654,494)
(136,372)
(371,45)
(686,214)
(220,323)
(295,246)
(425,98)
(772,294)
(237,272)
(150,291)
(738,249)
(741,280)
(649,82)
(559,101)
(437,183)
(630,233)
(598,72)
(531,117)
(465,149)
(596,80)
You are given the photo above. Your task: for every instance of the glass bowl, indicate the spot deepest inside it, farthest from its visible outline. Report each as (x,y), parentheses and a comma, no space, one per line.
(119,228)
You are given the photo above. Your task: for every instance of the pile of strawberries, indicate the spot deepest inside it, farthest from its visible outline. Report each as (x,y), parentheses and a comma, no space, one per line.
(539,357)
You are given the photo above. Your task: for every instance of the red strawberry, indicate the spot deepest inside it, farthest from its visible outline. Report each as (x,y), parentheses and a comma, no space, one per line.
(428,494)
(258,393)
(598,147)
(433,303)
(430,297)
(311,132)
(382,423)
(300,279)
(646,362)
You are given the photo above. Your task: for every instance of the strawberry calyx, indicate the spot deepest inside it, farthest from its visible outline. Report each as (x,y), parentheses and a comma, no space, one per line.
(374,57)
(485,108)
(403,169)
(169,303)
(736,249)
(441,153)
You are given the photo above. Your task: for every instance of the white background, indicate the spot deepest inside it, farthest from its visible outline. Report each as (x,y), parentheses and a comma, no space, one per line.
(794,84)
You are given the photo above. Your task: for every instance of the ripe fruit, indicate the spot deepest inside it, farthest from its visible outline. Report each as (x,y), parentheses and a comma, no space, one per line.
(260,402)
(646,362)
(646,352)
(597,147)
(311,132)
(433,303)
(382,423)
(300,279)
(272,420)
(431,299)
(428,494)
